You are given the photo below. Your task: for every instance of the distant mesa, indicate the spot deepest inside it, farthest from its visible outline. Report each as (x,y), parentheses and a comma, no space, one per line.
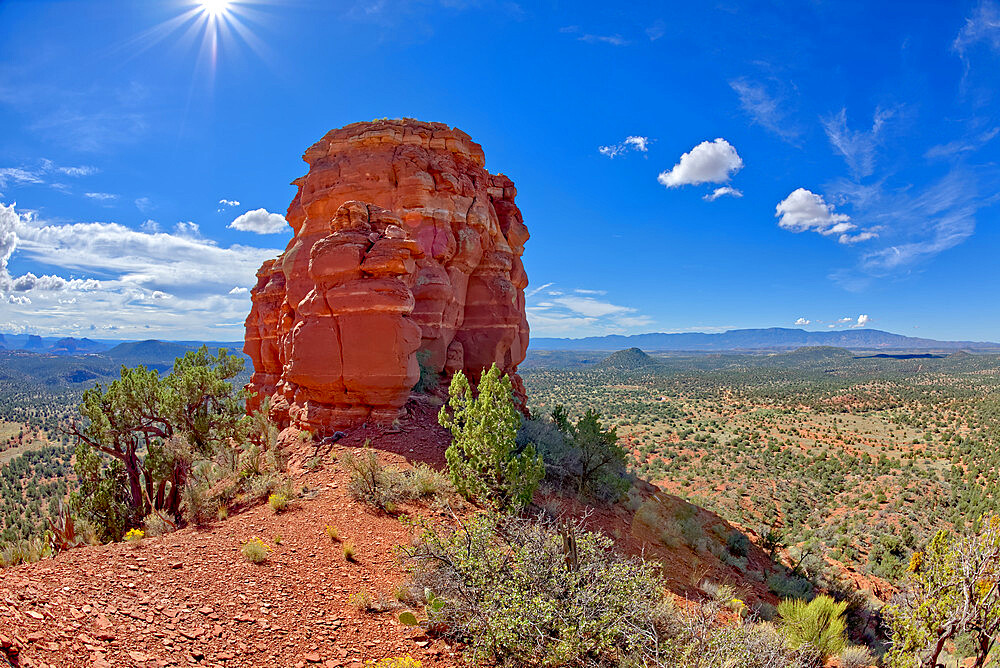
(150,349)
(774,338)
(407,252)
(34,342)
(630,359)
(71,346)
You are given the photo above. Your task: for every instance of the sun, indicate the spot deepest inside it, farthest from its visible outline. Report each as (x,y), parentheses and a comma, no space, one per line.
(214,7)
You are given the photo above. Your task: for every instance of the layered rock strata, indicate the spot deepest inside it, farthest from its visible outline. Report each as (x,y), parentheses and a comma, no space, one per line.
(406,252)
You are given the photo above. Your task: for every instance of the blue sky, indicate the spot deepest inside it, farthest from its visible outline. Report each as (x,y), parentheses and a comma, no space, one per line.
(681,166)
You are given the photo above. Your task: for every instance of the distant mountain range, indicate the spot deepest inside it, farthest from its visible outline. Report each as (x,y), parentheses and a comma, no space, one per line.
(774,338)
(72,346)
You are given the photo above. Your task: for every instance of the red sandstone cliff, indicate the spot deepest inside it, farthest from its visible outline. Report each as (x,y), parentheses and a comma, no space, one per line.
(403,243)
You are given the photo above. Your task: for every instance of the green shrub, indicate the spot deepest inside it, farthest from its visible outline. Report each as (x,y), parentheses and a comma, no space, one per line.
(738,543)
(789,586)
(368,480)
(583,457)
(483,459)
(423,481)
(539,594)
(819,624)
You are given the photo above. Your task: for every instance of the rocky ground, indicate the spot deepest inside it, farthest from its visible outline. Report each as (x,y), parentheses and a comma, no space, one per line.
(190,598)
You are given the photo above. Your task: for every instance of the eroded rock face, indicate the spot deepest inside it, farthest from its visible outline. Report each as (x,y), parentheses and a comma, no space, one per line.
(405,248)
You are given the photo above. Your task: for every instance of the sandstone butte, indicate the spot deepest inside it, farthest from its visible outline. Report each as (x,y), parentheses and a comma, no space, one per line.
(406,252)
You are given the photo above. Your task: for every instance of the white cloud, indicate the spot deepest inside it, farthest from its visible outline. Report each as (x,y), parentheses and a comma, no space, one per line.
(18,175)
(229,202)
(18,300)
(804,210)
(101,197)
(187,229)
(260,221)
(239,291)
(31,282)
(766,109)
(802,322)
(584,291)
(632,142)
(863,320)
(147,283)
(850,239)
(144,204)
(708,162)
(844,321)
(150,226)
(722,192)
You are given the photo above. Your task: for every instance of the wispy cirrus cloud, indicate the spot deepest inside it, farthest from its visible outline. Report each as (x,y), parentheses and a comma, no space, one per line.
(767,108)
(579,312)
(983,26)
(592,38)
(857,147)
(962,146)
(41,173)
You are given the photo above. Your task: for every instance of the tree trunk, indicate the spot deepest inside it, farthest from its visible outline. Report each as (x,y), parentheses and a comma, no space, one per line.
(135,485)
(983,653)
(930,659)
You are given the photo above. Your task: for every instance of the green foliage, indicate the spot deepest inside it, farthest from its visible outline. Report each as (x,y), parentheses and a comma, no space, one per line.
(584,457)
(789,586)
(887,557)
(536,594)
(368,481)
(738,543)
(382,487)
(102,497)
(25,551)
(142,434)
(819,624)
(483,459)
(952,590)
